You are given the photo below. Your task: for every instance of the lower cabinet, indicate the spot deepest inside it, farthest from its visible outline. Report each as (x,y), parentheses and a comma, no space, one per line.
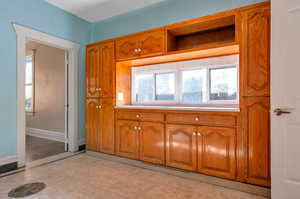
(209,150)
(107,123)
(181,146)
(152,142)
(216,151)
(99,125)
(92,124)
(127,139)
(141,140)
(257,123)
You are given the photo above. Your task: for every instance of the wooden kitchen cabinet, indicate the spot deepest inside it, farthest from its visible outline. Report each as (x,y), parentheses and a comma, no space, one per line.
(92,124)
(257,123)
(100,70)
(107,120)
(93,81)
(216,151)
(181,146)
(152,142)
(127,138)
(255,51)
(143,44)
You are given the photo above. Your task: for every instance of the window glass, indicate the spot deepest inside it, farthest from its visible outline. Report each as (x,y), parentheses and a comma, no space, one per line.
(28,98)
(164,86)
(28,71)
(144,84)
(223,84)
(193,86)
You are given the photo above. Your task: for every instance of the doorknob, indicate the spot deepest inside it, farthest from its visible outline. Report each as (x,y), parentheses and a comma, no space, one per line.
(280,111)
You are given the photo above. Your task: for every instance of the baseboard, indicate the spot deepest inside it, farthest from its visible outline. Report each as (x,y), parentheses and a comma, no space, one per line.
(248,188)
(8,164)
(81,142)
(82,147)
(50,135)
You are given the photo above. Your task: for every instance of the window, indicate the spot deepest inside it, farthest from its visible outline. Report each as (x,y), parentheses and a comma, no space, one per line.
(29,83)
(202,81)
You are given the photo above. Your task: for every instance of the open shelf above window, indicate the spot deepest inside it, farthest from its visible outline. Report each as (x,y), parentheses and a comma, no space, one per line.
(201,33)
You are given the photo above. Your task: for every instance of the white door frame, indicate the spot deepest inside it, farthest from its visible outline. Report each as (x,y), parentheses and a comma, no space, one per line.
(25,34)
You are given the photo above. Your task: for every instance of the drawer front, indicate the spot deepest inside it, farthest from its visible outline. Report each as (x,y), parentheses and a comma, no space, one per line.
(183,118)
(202,119)
(151,117)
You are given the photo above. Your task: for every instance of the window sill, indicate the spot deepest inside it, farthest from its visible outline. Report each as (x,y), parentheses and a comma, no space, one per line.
(188,108)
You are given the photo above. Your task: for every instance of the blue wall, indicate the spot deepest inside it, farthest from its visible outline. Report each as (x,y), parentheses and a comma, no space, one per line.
(44,17)
(160,14)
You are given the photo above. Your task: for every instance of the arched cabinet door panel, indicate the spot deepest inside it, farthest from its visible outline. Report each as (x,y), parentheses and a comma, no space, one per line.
(255,51)
(181,146)
(216,151)
(152,142)
(127,139)
(93,72)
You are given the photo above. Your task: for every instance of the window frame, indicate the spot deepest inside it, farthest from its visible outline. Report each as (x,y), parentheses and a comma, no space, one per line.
(31,54)
(178,68)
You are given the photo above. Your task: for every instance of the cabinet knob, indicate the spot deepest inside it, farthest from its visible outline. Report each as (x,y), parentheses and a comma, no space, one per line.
(137,116)
(197,118)
(195,133)
(98,89)
(139,50)
(135,128)
(136,50)
(98,107)
(139,128)
(199,134)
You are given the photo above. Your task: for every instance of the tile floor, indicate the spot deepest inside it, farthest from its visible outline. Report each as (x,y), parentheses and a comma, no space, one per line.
(87,177)
(38,148)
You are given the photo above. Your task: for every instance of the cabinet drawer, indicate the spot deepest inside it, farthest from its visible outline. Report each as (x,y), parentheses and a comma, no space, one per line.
(202,119)
(152,117)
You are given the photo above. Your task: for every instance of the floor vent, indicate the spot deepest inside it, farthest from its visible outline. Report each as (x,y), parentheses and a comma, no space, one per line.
(26,190)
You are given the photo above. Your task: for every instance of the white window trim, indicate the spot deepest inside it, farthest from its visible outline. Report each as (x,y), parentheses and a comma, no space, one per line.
(177,68)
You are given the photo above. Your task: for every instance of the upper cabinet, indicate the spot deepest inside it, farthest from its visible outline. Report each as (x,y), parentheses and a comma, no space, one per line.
(143,44)
(100,70)
(255,51)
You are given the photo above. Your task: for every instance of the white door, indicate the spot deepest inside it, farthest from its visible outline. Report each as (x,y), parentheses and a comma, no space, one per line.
(285,94)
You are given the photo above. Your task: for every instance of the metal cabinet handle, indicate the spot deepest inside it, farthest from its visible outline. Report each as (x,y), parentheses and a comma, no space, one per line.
(199,134)
(197,118)
(195,133)
(135,128)
(139,128)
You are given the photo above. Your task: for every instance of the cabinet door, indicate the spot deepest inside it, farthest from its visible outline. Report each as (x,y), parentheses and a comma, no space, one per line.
(92,122)
(152,43)
(107,63)
(93,72)
(127,139)
(181,146)
(152,142)
(126,48)
(216,151)
(258,130)
(107,134)
(255,52)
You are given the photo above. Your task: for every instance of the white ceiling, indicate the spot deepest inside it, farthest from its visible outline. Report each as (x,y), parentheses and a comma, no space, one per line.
(97,10)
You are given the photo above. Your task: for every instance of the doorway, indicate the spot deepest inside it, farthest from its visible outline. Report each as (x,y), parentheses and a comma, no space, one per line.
(46,99)
(25,34)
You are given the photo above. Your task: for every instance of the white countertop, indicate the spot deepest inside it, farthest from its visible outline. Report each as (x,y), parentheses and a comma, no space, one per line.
(229,109)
